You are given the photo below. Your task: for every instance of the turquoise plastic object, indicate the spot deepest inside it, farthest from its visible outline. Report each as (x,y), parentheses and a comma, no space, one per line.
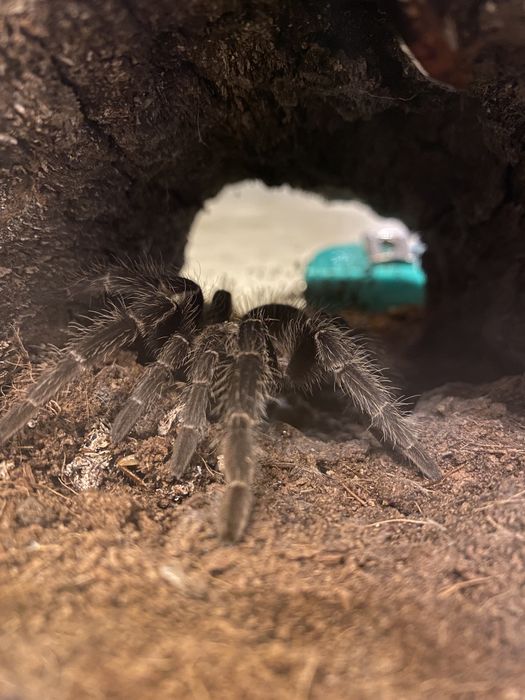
(344,276)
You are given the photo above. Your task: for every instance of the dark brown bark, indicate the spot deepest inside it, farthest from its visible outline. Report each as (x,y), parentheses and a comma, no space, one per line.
(119,117)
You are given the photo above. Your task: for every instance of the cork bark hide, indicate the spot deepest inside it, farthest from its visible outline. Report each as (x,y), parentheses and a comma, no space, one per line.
(119,118)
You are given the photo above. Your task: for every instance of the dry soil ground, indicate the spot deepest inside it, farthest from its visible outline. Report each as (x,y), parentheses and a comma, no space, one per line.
(356,578)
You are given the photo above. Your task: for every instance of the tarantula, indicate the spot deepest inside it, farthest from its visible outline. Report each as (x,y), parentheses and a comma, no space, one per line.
(234,365)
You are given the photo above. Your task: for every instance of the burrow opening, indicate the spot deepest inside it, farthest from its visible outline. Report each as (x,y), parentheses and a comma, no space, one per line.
(259,242)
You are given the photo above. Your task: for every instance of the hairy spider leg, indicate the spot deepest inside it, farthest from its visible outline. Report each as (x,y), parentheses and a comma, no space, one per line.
(180,328)
(195,399)
(109,332)
(173,355)
(251,381)
(124,277)
(355,374)
(319,346)
(117,327)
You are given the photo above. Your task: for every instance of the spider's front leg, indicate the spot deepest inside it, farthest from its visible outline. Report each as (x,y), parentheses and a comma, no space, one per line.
(149,388)
(205,365)
(180,327)
(195,399)
(251,380)
(125,278)
(319,346)
(357,376)
(172,356)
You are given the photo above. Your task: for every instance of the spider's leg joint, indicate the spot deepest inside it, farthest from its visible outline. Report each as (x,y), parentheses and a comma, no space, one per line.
(181,339)
(137,321)
(321,335)
(106,282)
(76,356)
(164,365)
(380,412)
(240,419)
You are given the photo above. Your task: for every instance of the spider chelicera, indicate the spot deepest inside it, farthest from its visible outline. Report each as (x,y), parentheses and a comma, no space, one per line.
(232,365)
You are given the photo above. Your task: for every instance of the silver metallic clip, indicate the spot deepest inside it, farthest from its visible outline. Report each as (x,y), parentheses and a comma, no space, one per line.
(393,242)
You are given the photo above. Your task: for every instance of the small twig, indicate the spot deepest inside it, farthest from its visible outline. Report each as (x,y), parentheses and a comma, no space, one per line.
(57,493)
(449,474)
(502,502)
(491,598)
(54,407)
(496,450)
(131,475)
(411,521)
(504,529)
(28,473)
(22,348)
(460,585)
(67,486)
(207,467)
(348,490)
(307,677)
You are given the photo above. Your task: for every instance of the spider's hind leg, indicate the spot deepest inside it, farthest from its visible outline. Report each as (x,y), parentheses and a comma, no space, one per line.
(112,330)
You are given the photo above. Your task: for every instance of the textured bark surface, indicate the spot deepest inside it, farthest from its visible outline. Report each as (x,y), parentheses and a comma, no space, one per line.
(119,117)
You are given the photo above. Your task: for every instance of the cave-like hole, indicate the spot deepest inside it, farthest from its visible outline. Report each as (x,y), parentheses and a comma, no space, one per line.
(253,239)
(258,242)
